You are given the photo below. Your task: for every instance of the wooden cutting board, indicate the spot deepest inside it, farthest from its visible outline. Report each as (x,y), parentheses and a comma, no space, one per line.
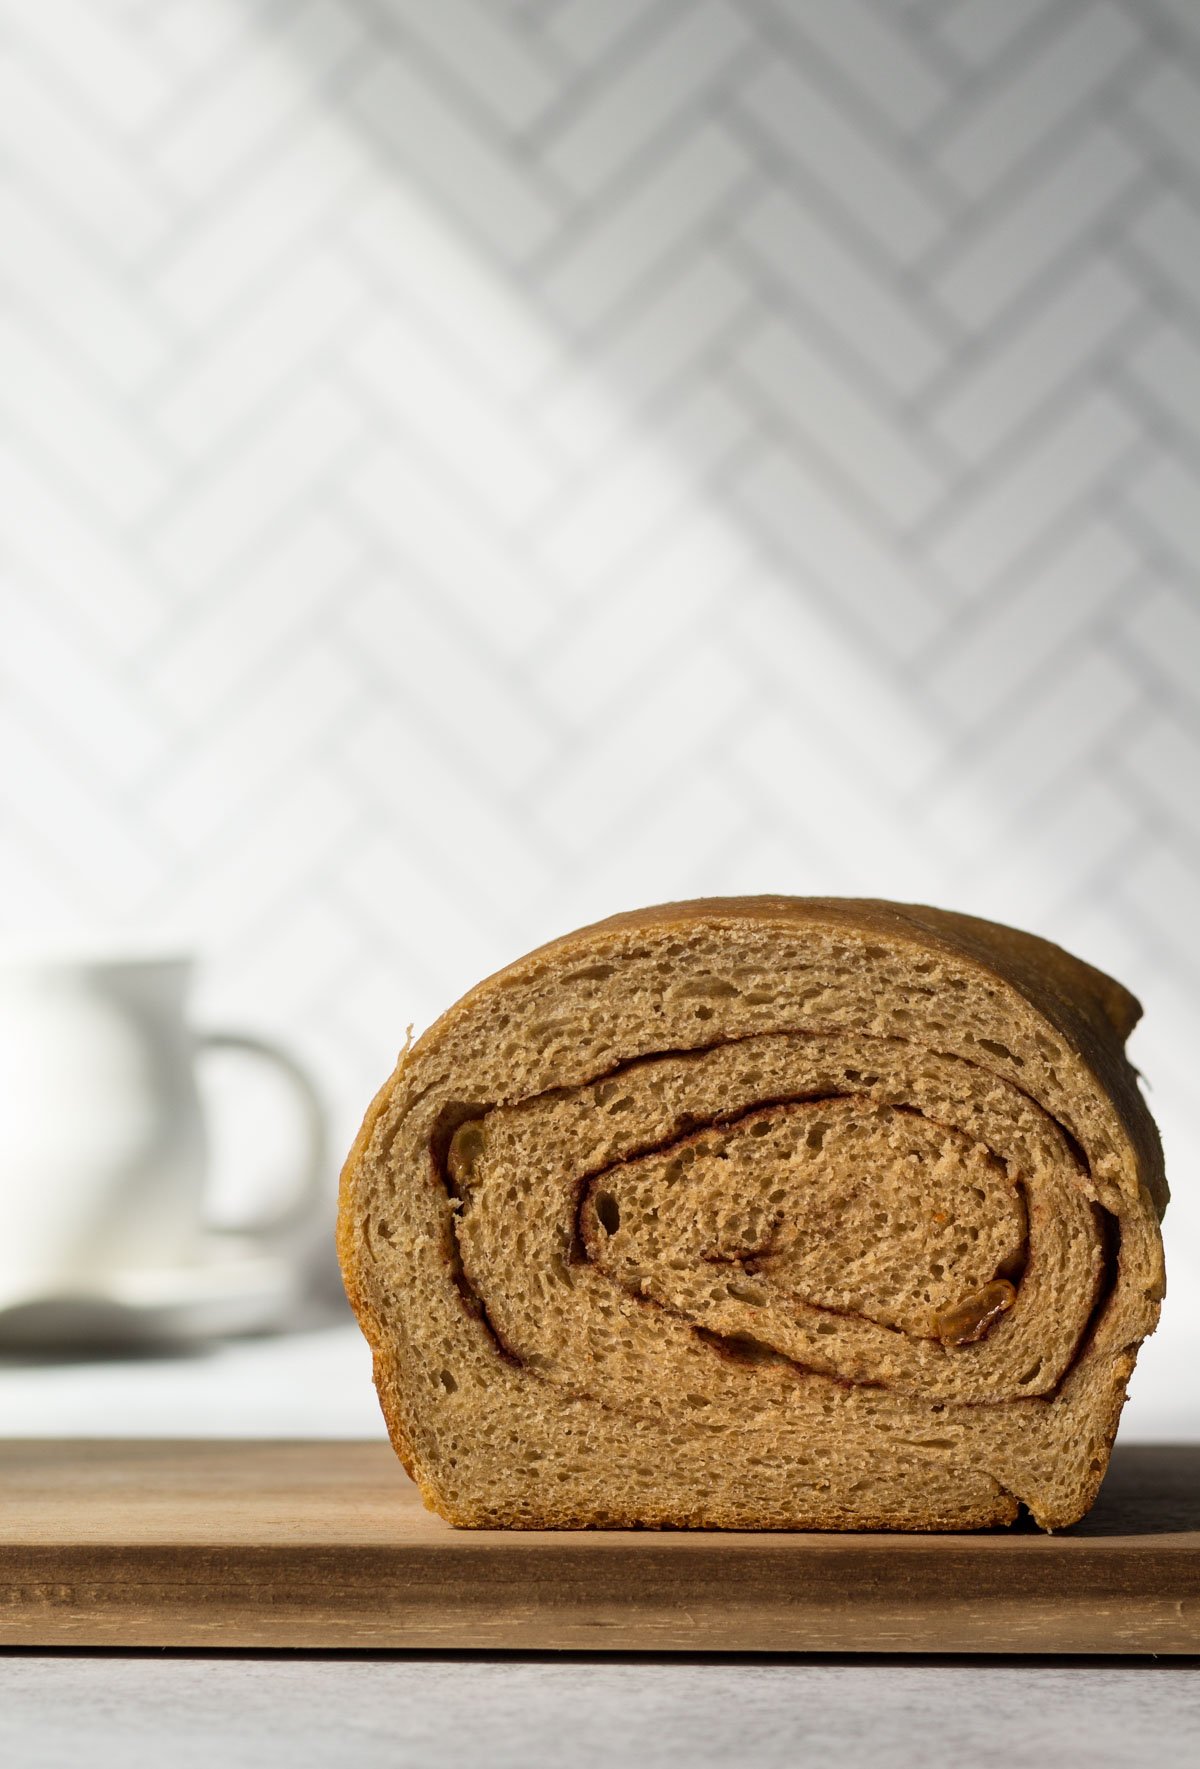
(327,1545)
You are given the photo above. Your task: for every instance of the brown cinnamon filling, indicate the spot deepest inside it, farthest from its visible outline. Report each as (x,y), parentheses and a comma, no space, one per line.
(970,1319)
(458,1139)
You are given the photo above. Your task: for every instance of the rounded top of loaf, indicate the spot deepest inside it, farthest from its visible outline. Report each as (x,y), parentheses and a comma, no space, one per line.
(1023,957)
(1089,1010)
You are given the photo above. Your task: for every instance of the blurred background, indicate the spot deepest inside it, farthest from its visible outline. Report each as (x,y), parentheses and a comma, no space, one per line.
(467,468)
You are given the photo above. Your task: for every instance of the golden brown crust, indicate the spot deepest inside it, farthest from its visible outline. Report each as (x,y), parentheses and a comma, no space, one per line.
(372,1329)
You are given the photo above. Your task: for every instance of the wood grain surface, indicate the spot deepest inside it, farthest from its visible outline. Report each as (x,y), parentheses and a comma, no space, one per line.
(326,1545)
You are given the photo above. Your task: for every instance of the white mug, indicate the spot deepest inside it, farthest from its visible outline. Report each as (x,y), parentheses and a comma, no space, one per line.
(103,1157)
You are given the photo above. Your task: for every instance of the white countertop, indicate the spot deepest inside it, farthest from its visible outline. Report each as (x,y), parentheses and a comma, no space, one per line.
(183,1709)
(315,1382)
(115,1712)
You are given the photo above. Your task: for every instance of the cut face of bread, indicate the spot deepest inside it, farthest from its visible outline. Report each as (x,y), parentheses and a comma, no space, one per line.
(762,1213)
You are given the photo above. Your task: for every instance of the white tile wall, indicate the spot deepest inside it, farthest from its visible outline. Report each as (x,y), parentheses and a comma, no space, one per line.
(468,467)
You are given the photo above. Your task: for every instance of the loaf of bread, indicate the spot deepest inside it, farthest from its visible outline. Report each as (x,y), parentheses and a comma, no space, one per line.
(762,1213)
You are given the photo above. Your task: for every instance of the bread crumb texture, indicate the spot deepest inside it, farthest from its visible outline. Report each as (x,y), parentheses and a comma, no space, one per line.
(762,1213)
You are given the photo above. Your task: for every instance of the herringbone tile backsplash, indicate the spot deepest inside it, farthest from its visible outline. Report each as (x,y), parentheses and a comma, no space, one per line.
(470,466)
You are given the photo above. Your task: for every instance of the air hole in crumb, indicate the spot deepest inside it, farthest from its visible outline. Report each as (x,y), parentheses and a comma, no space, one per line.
(712,988)
(741,1347)
(608,1212)
(762,1128)
(447,1381)
(999,1050)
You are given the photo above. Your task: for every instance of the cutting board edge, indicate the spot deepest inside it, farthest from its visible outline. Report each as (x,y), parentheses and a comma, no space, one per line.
(243,1545)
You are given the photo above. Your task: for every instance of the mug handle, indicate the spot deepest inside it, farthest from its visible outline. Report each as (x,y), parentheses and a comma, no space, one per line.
(282,1224)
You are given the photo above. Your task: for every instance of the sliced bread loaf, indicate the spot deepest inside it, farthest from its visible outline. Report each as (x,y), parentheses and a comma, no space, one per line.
(762,1213)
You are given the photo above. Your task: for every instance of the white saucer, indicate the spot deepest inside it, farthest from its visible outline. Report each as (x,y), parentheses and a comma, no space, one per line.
(231,1287)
